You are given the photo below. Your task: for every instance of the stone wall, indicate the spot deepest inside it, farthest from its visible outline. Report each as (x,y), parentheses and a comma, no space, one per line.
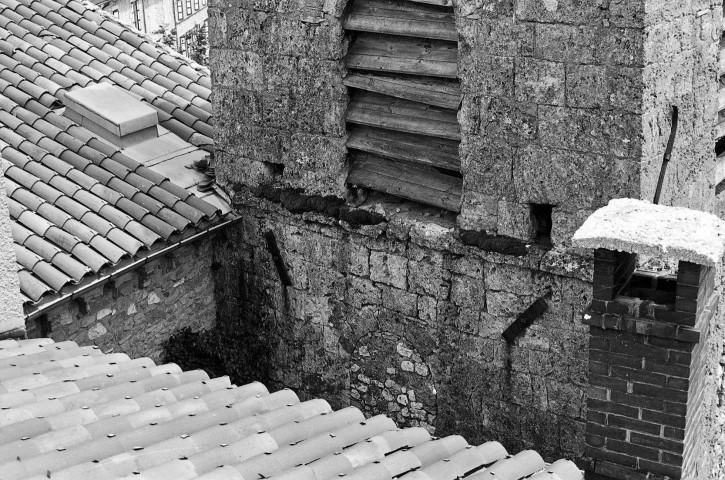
(402,318)
(137,312)
(278,92)
(563,104)
(681,51)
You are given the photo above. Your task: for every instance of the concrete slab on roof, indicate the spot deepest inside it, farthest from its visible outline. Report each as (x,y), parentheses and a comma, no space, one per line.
(111,108)
(637,226)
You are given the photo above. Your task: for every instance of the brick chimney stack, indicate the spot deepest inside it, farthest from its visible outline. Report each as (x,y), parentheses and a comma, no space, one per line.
(651,348)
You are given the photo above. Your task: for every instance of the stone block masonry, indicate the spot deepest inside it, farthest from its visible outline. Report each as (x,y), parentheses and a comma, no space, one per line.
(562,104)
(137,312)
(565,105)
(402,318)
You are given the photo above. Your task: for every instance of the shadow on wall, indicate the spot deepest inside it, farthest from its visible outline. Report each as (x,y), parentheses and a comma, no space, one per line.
(241,343)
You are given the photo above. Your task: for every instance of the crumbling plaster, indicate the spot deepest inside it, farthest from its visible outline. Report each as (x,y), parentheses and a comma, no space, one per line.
(12,322)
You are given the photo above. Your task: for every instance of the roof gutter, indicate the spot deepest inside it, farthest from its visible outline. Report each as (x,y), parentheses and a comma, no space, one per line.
(103,279)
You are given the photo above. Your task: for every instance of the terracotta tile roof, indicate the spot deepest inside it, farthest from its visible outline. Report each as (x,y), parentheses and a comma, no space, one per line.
(69,412)
(79,203)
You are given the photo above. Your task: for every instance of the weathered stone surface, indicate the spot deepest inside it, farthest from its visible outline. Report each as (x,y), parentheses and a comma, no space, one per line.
(561,11)
(604,132)
(389,269)
(583,180)
(586,86)
(566,103)
(514,220)
(540,82)
(410,314)
(479,211)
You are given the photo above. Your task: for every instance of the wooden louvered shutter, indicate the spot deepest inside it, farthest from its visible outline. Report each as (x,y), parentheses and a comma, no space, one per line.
(402,118)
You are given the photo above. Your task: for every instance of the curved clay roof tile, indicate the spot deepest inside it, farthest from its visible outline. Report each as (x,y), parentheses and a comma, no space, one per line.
(31,286)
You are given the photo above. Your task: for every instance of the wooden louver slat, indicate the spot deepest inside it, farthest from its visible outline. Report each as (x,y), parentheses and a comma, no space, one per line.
(410,181)
(429,91)
(394,18)
(407,117)
(404,55)
(435,152)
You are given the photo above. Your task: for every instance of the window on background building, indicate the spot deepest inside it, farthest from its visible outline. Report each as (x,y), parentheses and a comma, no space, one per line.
(203,3)
(182,45)
(115,13)
(196,5)
(137,15)
(180,9)
(188,7)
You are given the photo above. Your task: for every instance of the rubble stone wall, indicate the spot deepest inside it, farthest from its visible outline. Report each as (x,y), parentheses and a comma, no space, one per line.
(402,319)
(137,312)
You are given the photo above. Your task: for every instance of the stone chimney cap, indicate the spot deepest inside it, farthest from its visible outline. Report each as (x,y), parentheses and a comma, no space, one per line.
(637,226)
(111,108)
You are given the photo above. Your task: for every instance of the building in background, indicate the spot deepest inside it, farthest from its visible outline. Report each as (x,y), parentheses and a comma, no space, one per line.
(177,23)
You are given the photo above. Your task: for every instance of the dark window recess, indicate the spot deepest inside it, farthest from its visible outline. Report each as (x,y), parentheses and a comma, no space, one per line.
(541,223)
(658,288)
(720,160)
(110,290)
(402,117)
(137,12)
(43,326)
(115,13)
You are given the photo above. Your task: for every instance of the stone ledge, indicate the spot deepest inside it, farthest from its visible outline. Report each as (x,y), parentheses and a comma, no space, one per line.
(435,233)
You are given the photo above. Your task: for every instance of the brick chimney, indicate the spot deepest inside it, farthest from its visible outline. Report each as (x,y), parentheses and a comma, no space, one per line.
(651,351)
